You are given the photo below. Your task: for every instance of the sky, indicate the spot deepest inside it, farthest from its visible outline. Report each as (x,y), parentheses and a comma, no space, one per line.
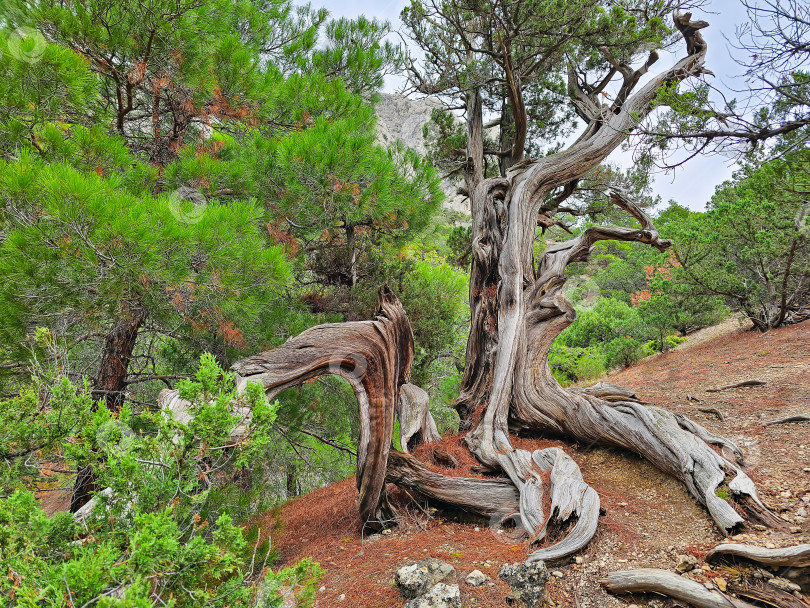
(692,184)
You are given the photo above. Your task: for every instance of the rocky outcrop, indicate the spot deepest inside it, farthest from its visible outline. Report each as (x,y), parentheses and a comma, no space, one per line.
(403,119)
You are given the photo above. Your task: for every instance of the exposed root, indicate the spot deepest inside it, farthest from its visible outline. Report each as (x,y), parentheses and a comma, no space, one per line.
(796,557)
(736,385)
(796,418)
(651,580)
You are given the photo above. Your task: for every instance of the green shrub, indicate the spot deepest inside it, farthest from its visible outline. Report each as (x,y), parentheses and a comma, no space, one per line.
(621,352)
(163,532)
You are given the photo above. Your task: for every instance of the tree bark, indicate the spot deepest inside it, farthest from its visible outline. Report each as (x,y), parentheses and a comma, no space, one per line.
(110,382)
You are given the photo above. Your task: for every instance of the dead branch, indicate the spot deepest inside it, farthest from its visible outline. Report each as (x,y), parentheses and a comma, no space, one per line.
(725,387)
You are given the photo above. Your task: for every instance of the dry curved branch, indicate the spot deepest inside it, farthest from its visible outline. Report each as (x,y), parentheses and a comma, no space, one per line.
(796,557)
(570,495)
(652,580)
(375,357)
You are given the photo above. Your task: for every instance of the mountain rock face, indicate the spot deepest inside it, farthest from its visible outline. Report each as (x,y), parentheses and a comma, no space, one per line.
(400,118)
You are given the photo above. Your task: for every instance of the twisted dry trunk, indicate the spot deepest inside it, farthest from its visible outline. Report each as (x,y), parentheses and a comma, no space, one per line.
(375,357)
(517,310)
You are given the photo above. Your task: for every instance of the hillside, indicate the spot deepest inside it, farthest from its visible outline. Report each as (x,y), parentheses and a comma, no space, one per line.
(649,518)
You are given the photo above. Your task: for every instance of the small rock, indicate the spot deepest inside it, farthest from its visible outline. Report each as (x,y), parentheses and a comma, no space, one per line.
(685,563)
(322,589)
(721,583)
(708,586)
(341,597)
(557,573)
(578,559)
(784,584)
(386,532)
(802,512)
(786,494)
(414,580)
(527,582)
(795,530)
(476,578)
(440,596)
(770,546)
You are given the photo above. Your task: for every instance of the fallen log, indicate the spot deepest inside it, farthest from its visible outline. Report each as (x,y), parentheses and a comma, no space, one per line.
(797,556)
(736,385)
(652,580)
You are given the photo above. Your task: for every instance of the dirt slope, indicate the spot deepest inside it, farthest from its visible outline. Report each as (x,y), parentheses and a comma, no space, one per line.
(650,518)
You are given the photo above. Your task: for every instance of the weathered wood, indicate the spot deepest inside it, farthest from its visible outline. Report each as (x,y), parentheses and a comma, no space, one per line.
(767,594)
(714,411)
(570,495)
(608,392)
(444,458)
(375,357)
(416,425)
(652,580)
(675,444)
(797,556)
(796,418)
(725,387)
(485,497)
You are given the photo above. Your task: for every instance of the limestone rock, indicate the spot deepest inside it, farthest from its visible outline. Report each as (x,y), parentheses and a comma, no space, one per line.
(685,563)
(528,583)
(476,578)
(440,596)
(415,580)
(784,584)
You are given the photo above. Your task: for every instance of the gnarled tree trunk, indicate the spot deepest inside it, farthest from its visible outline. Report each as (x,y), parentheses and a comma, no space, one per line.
(517,309)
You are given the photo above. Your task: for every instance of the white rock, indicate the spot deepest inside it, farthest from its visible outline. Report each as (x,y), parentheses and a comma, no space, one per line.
(476,578)
(557,573)
(440,596)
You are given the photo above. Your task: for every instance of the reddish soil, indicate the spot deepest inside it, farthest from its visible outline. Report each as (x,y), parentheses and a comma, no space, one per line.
(650,517)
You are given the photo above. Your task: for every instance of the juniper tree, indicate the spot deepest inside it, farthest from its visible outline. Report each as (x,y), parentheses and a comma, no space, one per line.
(529,65)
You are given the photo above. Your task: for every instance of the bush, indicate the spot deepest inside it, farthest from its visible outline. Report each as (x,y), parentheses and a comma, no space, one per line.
(163,532)
(621,352)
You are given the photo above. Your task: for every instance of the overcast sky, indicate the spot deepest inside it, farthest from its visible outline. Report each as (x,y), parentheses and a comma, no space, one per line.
(694,183)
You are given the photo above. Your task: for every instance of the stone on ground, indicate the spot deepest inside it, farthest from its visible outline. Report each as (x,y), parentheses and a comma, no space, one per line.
(415,580)
(440,596)
(528,583)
